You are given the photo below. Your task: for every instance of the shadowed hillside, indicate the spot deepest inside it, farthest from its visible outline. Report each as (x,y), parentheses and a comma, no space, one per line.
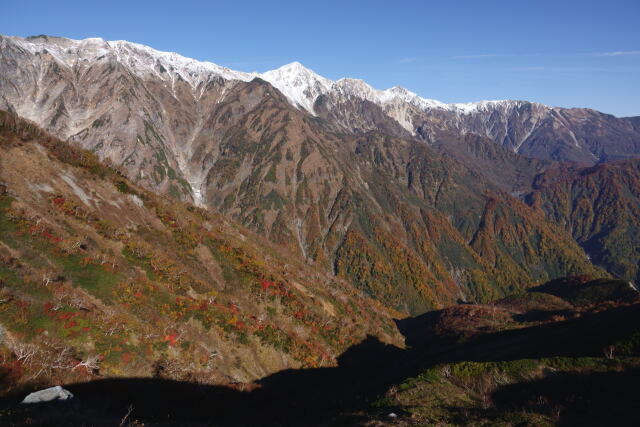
(488,375)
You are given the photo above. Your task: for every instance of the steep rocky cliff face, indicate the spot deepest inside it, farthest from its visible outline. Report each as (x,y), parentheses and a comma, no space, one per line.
(530,129)
(141,112)
(534,130)
(49,80)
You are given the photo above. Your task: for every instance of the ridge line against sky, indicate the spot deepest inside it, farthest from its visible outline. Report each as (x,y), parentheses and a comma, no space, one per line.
(560,53)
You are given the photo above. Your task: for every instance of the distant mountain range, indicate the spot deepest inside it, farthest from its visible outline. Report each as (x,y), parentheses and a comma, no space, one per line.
(417,202)
(528,128)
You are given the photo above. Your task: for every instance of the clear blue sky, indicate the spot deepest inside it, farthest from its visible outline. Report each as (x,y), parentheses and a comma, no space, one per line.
(566,53)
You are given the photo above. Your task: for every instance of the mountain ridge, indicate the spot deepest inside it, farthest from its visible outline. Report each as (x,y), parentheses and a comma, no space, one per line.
(277,76)
(529,128)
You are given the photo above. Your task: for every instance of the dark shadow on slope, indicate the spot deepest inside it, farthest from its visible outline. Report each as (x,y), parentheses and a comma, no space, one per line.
(593,399)
(583,336)
(541,315)
(317,396)
(290,397)
(567,398)
(583,291)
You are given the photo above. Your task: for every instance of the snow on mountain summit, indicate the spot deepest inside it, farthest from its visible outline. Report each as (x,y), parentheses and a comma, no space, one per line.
(299,84)
(142,59)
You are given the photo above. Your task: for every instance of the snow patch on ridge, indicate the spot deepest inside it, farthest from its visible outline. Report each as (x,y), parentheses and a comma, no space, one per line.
(300,85)
(144,59)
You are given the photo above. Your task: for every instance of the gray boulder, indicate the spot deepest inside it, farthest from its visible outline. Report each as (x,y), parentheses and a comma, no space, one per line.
(48,395)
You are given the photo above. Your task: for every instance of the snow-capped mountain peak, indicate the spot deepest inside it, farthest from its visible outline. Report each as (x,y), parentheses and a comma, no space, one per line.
(299,84)
(294,67)
(361,89)
(402,94)
(507,104)
(357,88)
(144,59)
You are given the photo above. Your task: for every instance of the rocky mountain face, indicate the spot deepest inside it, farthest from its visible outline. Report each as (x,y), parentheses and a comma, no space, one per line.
(570,135)
(527,128)
(121,101)
(337,172)
(169,81)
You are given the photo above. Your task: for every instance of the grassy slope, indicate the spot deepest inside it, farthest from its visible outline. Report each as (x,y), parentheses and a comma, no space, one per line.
(94,269)
(576,361)
(535,359)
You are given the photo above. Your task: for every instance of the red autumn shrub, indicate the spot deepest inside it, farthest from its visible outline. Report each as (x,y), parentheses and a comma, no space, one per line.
(171,339)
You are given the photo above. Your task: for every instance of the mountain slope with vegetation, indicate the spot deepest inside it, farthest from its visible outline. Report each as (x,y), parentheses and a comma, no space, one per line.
(100,278)
(565,353)
(530,359)
(600,207)
(415,226)
(412,227)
